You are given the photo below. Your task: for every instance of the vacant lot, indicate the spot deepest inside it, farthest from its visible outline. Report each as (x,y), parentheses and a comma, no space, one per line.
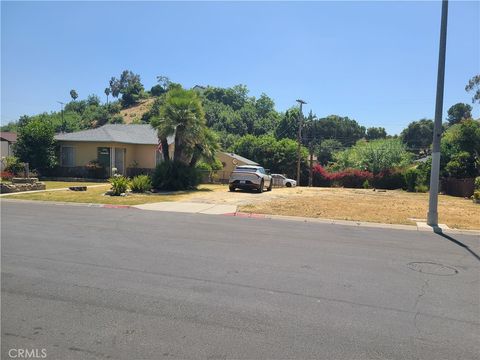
(394,207)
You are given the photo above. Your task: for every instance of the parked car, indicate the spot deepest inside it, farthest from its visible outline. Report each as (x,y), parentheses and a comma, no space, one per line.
(280,180)
(249,177)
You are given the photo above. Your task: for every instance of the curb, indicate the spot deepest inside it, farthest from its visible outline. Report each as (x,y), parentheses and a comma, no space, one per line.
(418,227)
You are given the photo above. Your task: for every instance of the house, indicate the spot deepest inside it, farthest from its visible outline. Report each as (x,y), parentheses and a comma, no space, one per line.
(131,149)
(7,140)
(229,162)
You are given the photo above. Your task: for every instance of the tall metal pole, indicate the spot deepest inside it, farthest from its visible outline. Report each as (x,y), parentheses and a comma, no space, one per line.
(432,216)
(300,124)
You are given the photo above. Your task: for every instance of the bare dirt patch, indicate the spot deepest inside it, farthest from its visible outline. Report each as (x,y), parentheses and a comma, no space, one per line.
(135,113)
(394,207)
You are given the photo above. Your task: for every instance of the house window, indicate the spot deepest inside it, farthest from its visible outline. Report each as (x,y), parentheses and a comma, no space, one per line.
(67,156)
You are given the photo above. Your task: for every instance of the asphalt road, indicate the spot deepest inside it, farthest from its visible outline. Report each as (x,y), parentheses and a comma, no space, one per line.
(96,283)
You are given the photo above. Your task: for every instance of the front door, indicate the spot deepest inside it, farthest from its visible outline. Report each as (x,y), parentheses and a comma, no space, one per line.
(103,158)
(120,160)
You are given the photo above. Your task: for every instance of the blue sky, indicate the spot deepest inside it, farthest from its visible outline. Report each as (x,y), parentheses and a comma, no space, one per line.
(375,62)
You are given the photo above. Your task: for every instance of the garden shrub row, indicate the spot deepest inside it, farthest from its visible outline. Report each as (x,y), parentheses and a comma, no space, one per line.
(354,178)
(169,175)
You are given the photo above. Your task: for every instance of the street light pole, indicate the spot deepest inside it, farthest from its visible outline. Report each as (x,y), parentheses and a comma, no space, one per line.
(432,216)
(300,124)
(63,120)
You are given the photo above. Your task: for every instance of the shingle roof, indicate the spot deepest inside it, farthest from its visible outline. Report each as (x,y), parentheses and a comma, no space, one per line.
(128,134)
(241,158)
(9,136)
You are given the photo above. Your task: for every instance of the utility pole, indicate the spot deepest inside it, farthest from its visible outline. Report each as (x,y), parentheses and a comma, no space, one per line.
(432,216)
(63,120)
(300,124)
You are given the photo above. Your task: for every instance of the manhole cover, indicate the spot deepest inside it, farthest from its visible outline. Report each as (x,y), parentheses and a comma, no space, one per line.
(432,268)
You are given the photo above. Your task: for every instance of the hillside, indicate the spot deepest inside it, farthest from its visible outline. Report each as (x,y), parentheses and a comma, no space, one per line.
(135,113)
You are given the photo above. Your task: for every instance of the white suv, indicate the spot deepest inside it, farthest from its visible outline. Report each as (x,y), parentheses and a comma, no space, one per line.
(250,178)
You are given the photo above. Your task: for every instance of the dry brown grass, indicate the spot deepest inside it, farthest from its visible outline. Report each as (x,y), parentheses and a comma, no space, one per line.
(135,112)
(394,207)
(96,195)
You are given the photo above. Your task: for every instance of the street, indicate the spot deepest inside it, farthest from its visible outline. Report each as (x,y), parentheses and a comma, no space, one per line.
(96,283)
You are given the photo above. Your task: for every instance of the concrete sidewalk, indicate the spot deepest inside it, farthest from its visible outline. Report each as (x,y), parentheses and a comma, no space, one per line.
(189,207)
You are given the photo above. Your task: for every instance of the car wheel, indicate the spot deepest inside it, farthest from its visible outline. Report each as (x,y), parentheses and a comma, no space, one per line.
(288,184)
(231,188)
(260,189)
(270,186)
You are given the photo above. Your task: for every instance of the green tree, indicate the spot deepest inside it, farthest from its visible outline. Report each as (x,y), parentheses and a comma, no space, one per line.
(182,114)
(343,129)
(418,135)
(129,86)
(36,144)
(459,112)
(374,156)
(460,149)
(280,156)
(326,149)
(73,94)
(235,97)
(474,85)
(374,133)
(288,125)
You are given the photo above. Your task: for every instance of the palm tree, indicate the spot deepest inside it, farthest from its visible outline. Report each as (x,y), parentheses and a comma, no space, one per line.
(107,92)
(182,114)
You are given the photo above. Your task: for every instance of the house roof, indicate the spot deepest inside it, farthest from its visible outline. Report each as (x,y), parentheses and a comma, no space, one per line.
(241,158)
(128,134)
(8,136)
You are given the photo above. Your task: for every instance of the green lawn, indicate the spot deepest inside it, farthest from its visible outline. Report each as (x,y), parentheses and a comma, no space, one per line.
(95,195)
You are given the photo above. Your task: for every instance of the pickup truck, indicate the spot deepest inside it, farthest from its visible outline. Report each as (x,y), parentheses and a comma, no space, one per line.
(250,178)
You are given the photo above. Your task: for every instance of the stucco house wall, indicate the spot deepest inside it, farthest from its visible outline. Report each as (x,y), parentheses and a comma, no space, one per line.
(229,162)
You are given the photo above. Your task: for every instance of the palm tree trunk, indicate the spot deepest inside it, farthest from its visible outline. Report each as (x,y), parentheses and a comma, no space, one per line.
(165,150)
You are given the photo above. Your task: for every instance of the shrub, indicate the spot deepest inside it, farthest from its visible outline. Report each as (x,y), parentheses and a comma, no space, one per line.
(321,177)
(461,165)
(421,188)
(424,170)
(95,170)
(477,183)
(411,176)
(6,175)
(175,175)
(141,183)
(119,184)
(13,165)
(389,179)
(366,184)
(476,195)
(351,178)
